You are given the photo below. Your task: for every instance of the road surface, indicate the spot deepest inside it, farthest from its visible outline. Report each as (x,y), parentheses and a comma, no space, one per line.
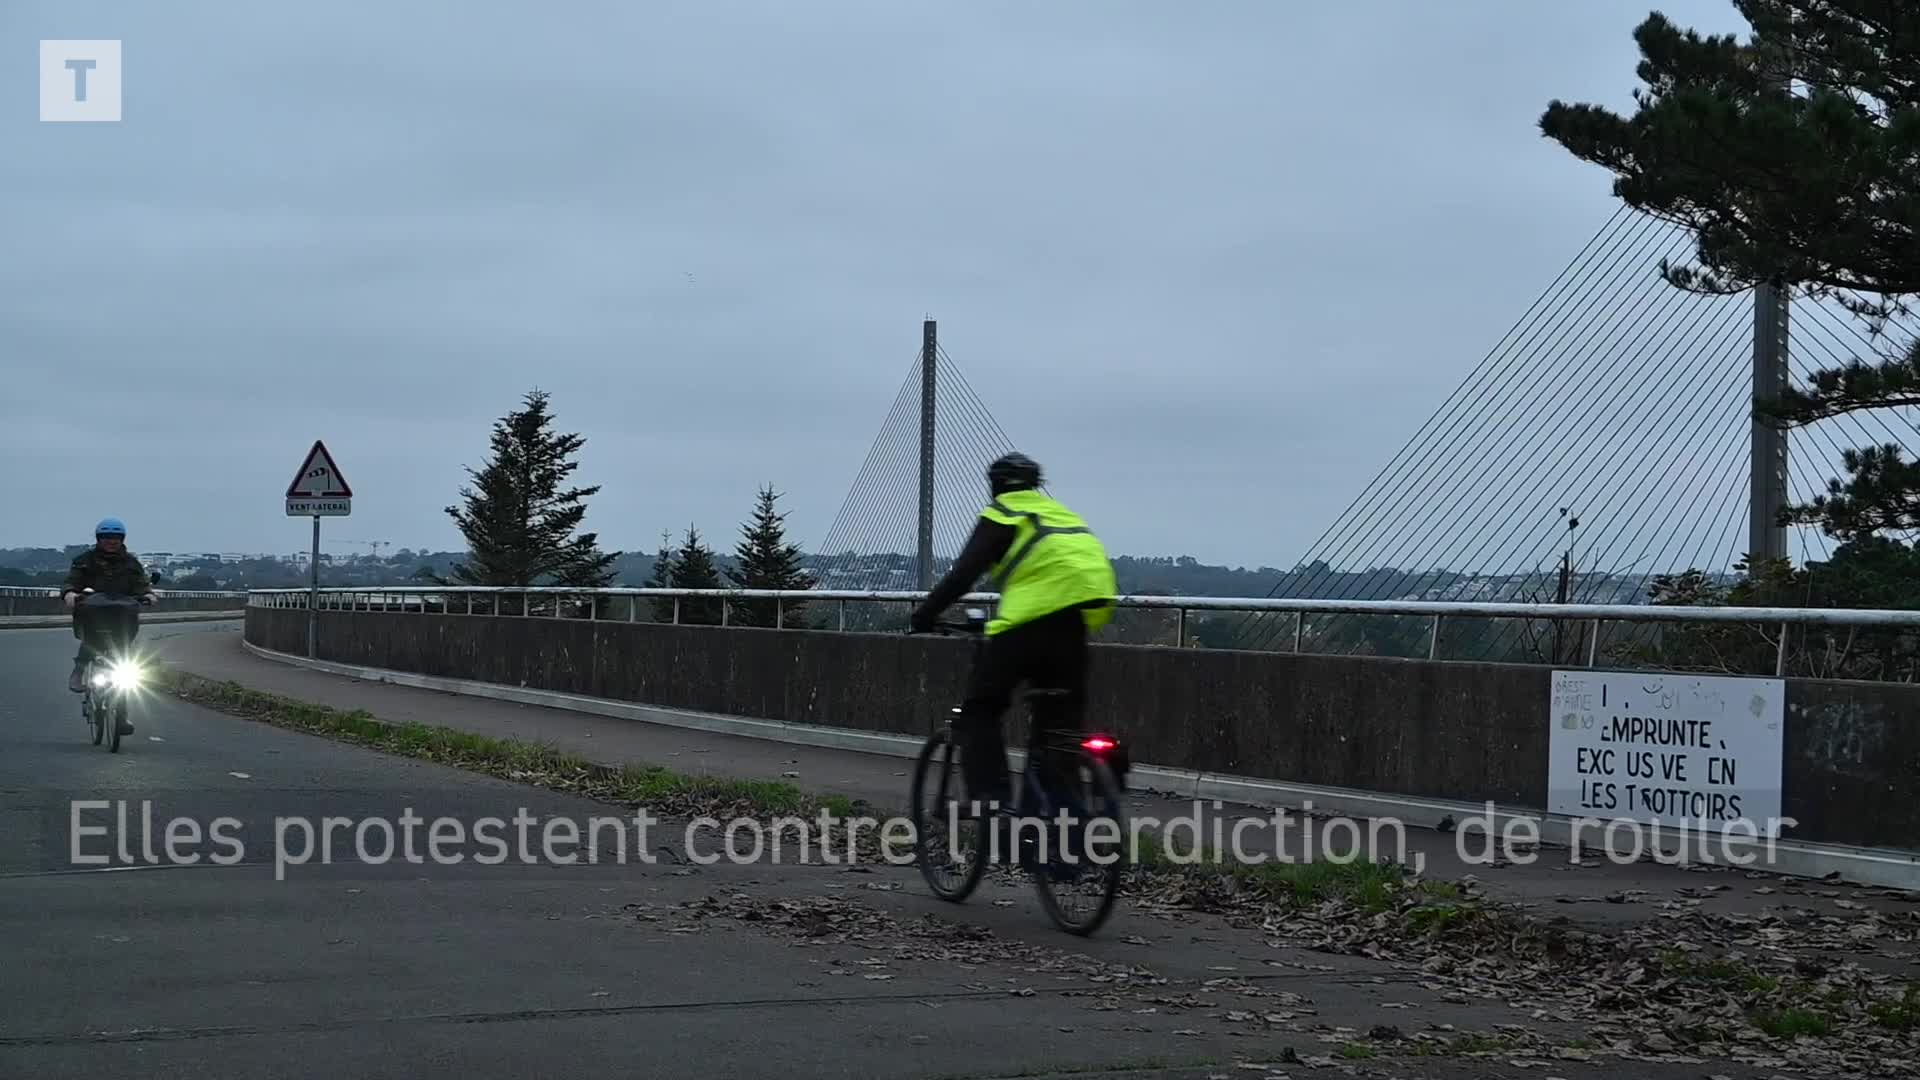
(668,970)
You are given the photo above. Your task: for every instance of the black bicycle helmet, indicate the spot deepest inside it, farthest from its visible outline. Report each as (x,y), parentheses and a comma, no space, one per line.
(1013,472)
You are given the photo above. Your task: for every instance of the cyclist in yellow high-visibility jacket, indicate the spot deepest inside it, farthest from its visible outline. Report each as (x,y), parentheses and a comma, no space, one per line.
(1056,588)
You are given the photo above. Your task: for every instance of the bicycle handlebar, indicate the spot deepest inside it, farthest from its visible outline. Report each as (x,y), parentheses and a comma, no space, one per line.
(100,600)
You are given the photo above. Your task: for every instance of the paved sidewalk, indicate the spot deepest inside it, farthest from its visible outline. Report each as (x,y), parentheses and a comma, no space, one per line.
(1595,890)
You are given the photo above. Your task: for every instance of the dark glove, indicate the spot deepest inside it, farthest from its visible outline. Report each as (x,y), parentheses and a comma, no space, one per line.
(921,621)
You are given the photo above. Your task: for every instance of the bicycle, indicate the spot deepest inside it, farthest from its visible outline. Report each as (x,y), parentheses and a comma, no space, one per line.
(111,675)
(1100,765)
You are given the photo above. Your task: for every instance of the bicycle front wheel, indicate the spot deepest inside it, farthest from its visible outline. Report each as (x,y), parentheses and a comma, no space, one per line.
(940,832)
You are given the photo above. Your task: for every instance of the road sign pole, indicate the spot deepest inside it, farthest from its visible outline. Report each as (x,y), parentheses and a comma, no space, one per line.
(313,591)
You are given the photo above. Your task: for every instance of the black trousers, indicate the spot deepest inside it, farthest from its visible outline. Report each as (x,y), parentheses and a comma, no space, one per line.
(1047,653)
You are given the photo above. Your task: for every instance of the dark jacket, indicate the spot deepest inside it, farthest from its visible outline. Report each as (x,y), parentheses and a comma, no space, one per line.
(103,573)
(987,545)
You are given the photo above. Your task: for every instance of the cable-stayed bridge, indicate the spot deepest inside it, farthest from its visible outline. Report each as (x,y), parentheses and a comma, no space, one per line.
(911,508)
(1608,438)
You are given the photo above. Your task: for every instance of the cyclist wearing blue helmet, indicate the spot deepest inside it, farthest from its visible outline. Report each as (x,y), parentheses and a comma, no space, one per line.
(106,567)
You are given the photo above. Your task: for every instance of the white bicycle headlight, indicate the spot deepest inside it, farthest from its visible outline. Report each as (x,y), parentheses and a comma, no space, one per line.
(126,676)
(101,678)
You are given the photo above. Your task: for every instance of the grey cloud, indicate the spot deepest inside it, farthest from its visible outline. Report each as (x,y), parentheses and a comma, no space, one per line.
(1214,262)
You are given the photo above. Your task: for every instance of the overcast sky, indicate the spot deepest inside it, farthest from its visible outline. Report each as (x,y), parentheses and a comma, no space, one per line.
(1212,263)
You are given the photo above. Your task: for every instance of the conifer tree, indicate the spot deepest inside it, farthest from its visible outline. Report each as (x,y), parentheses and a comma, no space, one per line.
(693,568)
(765,560)
(1789,157)
(518,520)
(661,577)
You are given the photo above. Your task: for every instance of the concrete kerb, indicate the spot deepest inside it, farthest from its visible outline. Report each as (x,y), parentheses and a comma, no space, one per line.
(1884,867)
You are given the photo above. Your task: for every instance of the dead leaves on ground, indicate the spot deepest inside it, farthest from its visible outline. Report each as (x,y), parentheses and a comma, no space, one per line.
(1764,990)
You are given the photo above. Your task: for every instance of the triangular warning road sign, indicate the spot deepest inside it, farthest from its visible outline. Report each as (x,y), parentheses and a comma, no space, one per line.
(319,477)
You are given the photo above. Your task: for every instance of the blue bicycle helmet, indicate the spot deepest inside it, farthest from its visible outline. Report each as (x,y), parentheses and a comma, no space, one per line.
(110,527)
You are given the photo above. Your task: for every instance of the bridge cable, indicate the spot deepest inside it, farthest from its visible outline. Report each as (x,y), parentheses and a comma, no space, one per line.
(1486,554)
(1557,376)
(1489,370)
(853,532)
(846,534)
(1440,464)
(1580,266)
(1673,489)
(1567,473)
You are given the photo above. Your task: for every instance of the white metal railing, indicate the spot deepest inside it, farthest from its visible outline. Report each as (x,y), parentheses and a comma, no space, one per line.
(35,591)
(460,600)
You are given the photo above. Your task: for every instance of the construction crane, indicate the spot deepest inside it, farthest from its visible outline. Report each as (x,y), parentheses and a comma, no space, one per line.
(375,545)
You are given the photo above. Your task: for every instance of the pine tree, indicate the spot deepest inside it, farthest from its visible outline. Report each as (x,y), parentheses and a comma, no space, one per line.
(518,521)
(693,569)
(764,560)
(1814,189)
(662,578)
(1812,192)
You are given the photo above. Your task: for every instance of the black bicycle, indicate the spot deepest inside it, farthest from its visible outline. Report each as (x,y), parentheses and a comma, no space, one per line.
(115,672)
(1088,851)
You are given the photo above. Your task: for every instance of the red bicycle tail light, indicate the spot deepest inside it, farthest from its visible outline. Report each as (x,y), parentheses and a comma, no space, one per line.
(1098,744)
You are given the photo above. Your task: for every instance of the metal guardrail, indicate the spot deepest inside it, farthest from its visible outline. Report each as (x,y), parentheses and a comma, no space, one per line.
(33,601)
(460,600)
(36,591)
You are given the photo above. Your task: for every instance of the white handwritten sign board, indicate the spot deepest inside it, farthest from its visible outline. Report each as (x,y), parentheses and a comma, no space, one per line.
(1673,750)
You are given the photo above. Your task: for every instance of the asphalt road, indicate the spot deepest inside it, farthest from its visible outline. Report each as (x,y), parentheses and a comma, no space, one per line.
(399,971)
(163,969)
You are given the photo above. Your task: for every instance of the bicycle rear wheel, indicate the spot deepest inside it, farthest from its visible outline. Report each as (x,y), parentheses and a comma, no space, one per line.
(90,705)
(1078,887)
(940,849)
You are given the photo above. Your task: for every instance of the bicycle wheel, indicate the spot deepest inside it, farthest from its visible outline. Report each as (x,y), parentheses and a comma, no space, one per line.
(90,706)
(112,723)
(950,871)
(1078,887)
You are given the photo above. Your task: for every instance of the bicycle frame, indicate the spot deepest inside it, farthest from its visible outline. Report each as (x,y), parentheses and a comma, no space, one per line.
(1031,801)
(1100,744)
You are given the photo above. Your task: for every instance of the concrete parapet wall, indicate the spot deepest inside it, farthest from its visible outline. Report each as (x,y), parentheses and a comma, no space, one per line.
(1462,731)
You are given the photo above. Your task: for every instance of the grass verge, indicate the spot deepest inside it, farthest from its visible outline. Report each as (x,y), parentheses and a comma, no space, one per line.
(540,764)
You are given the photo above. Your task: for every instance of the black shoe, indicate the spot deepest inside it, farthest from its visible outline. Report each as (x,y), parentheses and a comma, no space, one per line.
(126,727)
